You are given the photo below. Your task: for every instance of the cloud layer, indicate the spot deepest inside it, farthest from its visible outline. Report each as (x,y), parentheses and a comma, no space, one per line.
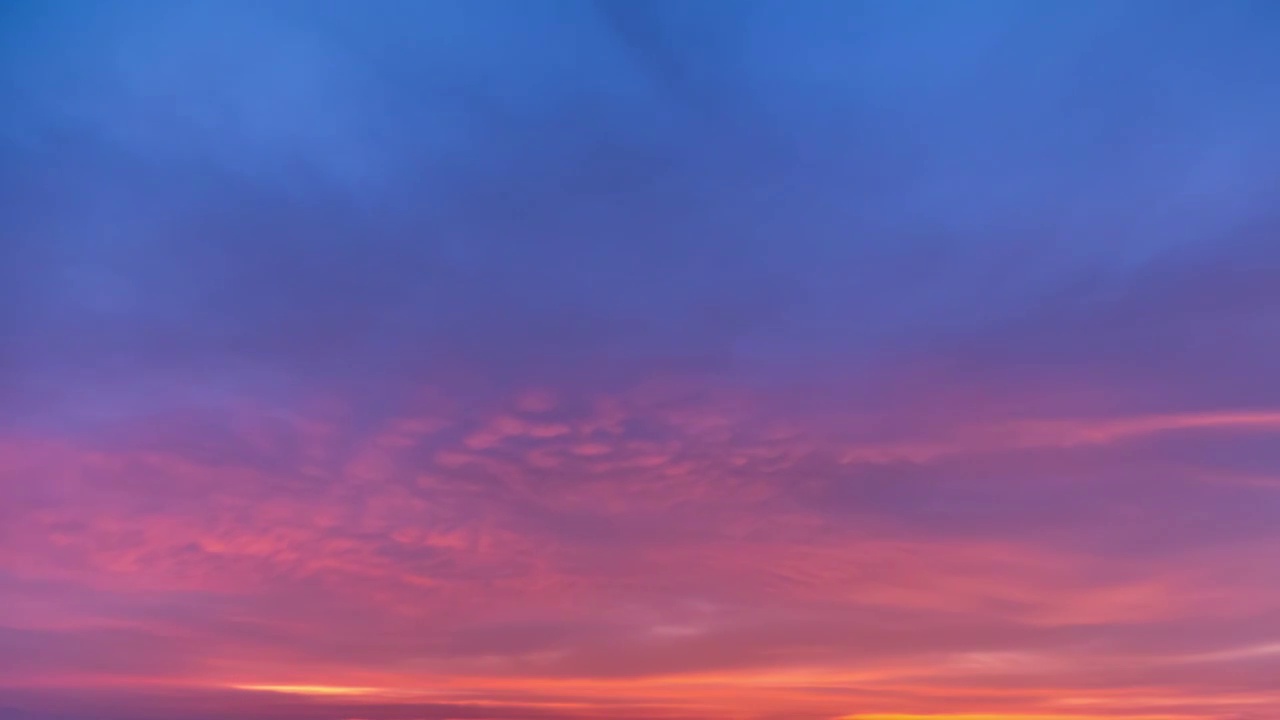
(675,360)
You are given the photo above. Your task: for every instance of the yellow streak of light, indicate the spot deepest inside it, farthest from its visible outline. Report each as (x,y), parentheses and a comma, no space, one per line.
(384,694)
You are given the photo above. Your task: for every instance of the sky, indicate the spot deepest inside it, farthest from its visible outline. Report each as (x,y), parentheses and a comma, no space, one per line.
(639,360)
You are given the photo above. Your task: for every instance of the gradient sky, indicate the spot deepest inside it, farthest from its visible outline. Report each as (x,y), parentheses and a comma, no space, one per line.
(623,360)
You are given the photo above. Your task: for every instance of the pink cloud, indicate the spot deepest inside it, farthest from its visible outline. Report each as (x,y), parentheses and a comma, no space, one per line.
(645,553)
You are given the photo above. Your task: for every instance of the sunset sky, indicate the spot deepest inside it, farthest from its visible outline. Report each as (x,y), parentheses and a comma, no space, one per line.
(628,360)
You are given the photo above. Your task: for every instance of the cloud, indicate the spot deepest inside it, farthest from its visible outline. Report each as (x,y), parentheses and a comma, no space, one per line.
(407,555)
